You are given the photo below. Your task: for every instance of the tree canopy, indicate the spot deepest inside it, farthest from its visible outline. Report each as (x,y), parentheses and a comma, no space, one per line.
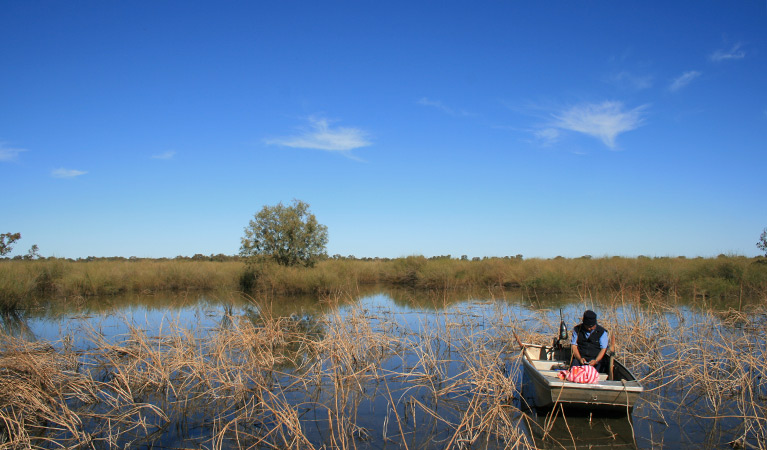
(290,235)
(6,242)
(762,244)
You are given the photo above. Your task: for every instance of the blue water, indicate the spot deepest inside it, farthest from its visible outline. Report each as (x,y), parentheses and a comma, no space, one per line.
(445,327)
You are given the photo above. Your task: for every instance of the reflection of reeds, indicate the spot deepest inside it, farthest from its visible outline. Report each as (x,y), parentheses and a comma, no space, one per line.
(355,376)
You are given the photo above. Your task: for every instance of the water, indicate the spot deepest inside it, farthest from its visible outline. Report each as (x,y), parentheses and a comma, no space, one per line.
(388,369)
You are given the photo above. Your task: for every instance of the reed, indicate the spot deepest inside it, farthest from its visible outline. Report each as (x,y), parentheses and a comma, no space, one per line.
(709,280)
(269,381)
(704,368)
(27,283)
(449,379)
(48,402)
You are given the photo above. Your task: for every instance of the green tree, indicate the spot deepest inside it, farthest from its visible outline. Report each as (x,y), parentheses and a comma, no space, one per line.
(762,244)
(6,242)
(290,235)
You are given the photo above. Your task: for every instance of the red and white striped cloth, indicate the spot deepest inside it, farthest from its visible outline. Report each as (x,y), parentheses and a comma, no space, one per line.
(580,374)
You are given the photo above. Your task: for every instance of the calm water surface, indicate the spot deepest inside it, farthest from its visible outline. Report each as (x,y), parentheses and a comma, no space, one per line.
(420,321)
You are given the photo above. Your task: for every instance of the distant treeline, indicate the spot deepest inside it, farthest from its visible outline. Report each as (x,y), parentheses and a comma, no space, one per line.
(229,258)
(197,257)
(28,282)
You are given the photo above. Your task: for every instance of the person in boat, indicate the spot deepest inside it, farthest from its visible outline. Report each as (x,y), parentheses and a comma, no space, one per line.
(589,342)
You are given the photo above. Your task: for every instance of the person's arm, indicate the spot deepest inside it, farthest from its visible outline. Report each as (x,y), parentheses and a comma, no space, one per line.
(604,340)
(599,357)
(577,355)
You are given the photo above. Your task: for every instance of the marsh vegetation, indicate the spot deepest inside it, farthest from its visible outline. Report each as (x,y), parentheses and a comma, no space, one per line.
(26,283)
(395,369)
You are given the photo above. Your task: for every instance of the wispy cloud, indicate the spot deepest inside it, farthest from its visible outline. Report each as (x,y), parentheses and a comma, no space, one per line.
(604,121)
(628,80)
(320,135)
(166,155)
(9,154)
(725,55)
(67,173)
(546,136)
(444,108)
(683,80)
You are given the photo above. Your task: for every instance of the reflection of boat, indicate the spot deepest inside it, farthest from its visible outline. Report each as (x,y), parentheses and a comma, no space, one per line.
(618,389)
(579,429)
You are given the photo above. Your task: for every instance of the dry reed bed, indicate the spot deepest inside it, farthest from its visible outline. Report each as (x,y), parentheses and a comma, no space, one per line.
(357,377)
(705,371)
(267,382)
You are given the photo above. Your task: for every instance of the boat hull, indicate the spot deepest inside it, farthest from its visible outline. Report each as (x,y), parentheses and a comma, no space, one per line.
(541,368)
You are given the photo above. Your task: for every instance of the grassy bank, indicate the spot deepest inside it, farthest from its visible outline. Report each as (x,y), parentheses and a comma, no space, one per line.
(25,282)
(731,278)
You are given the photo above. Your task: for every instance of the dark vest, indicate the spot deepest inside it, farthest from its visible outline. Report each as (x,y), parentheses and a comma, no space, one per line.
(589,348)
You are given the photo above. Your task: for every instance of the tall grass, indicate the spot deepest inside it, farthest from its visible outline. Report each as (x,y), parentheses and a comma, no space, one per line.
(22,283)
(721,278)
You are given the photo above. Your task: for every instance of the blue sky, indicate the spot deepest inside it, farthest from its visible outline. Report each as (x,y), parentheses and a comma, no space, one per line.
(158,128)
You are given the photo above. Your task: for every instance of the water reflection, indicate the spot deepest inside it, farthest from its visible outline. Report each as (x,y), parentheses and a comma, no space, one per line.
(390,367)
(570,428)
(15,323)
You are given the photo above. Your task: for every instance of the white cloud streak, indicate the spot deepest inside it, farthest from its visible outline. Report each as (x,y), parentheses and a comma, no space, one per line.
(67,173)
(547,136)
(725,55)
(604,121)
(628,80)
(166,155)
(444,108)
(322,136)
(9,154)
(683,80)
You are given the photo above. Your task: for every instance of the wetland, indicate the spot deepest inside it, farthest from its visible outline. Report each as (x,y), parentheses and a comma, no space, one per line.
(374,367)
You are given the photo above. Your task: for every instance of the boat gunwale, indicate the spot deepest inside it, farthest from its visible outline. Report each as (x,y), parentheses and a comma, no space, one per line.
(633,386)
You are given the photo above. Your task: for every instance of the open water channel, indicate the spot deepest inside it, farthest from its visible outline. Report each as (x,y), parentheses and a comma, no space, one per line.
(385,369)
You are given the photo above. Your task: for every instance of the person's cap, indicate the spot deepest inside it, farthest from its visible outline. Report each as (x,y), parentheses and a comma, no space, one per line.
(589,318)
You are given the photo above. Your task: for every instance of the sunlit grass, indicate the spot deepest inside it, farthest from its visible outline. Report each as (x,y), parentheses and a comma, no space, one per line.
(22,283)
(25,281)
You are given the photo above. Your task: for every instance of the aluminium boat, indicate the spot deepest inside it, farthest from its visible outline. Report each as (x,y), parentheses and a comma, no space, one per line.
(618,389)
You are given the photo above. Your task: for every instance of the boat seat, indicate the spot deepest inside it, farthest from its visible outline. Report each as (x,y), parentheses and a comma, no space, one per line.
(543,364)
